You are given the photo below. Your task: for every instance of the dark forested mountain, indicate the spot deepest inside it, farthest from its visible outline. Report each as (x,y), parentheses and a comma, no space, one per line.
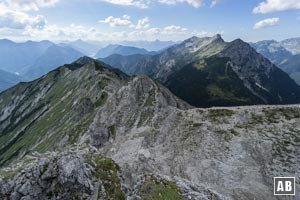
(8,80)
(121,50)
(85,130)
(211,72)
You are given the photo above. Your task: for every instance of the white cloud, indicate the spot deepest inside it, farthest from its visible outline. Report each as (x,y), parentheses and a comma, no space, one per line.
(214,3)
(30,4)
(147,3)
(194,3)
(266,23)
(174,29)
(58,33)
(19,20)
(171,32)
(143,23)
(270,6)
(125,20)
(136,3)
(115,21)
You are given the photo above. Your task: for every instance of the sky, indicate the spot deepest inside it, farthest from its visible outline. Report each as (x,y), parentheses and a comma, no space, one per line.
(133,20)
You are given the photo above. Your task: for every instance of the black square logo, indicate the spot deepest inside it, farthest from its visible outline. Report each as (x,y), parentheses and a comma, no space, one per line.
(284,185)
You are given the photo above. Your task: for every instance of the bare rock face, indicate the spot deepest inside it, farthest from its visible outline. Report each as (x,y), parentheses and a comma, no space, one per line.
(86,174)
(233,151)
(50,176)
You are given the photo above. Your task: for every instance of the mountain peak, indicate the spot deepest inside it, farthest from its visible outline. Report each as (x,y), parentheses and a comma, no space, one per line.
(217,36)
(84,60)
(239,43)
(6,41)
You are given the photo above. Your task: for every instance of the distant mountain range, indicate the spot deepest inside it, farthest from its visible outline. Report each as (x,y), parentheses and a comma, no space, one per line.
(155,45)
(33,59)
(292,45)
(285,54)
(18,57)
(89,48)
(121,50)
(210,72)
(54,56)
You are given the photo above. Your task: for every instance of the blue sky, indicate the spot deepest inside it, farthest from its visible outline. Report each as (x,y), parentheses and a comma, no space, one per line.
(250,20)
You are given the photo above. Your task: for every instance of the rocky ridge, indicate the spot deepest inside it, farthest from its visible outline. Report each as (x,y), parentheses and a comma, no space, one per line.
(216,153)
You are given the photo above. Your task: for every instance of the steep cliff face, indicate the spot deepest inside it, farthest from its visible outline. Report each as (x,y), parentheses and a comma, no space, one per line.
(259,75)
(151,135)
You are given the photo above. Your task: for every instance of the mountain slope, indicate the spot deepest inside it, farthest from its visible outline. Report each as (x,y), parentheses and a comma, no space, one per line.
(8,80)
(145,130)
(119,49)
(211,83)
(54,56)
(292,67)
(124,63)
(53,104)
(211,72)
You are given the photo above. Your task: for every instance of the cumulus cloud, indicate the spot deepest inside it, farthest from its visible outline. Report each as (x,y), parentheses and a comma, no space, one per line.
(270,6)
(143,23)
(136,3)
(147,3)
(194,3)
(74,31)
(19,20)
(266,23)
(115,21)
(30,4)
(125,20)
(171,32)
